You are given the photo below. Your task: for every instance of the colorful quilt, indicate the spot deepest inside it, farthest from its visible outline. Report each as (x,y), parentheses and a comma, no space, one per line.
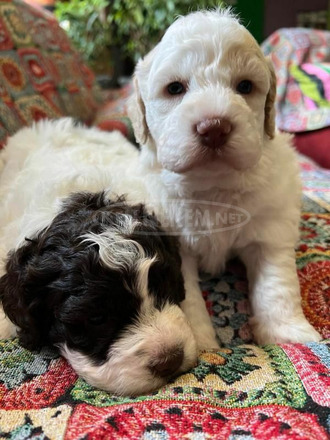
(301,59)
(242,392)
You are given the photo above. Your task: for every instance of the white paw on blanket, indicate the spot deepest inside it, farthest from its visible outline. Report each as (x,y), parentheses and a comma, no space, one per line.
(295,330)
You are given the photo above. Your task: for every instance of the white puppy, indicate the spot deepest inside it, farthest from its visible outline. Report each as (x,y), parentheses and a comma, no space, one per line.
(203,112)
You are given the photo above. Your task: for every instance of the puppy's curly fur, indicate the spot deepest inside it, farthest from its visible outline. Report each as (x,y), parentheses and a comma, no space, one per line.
(67,287)
(203,110)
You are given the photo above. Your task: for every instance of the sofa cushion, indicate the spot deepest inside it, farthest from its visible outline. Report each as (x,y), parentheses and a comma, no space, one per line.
(315,144)
(301,60)
(41,74)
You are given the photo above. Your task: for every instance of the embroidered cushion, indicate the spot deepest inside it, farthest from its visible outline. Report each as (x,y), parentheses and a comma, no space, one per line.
(41,74)
(301,60)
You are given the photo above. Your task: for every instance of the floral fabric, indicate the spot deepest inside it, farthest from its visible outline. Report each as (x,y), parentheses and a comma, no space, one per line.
(41,75)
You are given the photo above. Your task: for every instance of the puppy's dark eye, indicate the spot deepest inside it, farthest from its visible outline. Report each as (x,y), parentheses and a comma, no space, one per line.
(176,88)
(244,87)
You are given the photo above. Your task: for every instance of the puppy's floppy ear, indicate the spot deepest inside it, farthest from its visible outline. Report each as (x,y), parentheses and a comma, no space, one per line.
(137,113)
(22,295)
(136,107)
(270,102)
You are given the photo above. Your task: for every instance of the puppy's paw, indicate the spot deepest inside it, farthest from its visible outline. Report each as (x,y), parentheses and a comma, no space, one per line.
(297,330)
(206,340)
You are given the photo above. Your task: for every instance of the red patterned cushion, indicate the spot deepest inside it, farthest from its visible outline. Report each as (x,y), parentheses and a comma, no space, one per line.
(41,75)
(112,115)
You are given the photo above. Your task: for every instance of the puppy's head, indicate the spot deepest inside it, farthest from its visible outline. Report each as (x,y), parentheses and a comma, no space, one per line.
(205,95)
(104,285)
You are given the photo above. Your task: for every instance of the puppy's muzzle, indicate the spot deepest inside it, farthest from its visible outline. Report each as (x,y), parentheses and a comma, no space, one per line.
(168,364)
(214,132)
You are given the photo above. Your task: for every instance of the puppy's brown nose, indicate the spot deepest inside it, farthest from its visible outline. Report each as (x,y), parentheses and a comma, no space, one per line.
(213,132)
(169,364)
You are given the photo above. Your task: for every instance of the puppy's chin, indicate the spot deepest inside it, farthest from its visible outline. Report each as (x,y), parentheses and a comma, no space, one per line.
(184,166)
(239,161)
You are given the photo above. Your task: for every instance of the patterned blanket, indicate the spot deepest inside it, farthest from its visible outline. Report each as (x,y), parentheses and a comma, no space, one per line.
(242,392)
